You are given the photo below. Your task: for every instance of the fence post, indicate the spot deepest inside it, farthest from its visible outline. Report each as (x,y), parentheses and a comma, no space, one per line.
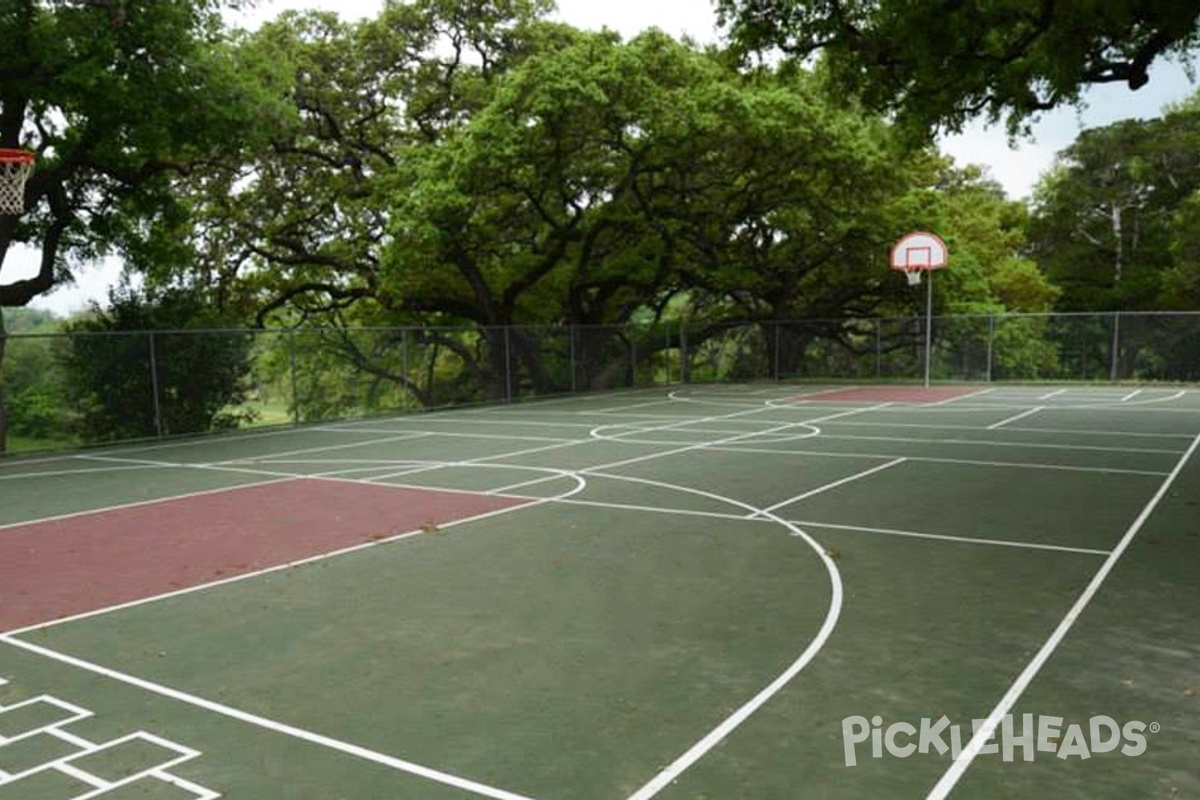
(292,371)
(404,365)
(1114,356)
(632,362)
(508,388)
(878,348)
(667,350)
(574,367)
(685,367)
(158,423)
(777,339)
(990,344)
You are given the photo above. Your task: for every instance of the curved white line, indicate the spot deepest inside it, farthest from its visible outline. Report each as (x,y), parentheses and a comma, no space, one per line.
(792,400)
(743,712)
(634,428)
(681,398)
(1151,400)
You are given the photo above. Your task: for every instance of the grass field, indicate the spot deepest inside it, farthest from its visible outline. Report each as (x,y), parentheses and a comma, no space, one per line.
(705,592)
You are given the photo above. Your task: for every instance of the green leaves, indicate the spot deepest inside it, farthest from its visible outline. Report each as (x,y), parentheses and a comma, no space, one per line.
(114,373)
(1112,220)
(937,65)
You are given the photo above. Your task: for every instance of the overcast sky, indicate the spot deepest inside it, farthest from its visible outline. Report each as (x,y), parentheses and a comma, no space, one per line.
(1017,169)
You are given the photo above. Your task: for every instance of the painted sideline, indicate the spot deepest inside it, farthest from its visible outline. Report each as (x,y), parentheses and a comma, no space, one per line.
(960,765)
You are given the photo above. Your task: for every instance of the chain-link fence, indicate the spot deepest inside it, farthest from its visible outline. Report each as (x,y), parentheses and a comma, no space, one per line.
(82,388)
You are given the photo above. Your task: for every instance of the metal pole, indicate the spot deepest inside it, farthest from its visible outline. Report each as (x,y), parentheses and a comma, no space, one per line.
(928,325)
(507,366)
(292,368)
(685,368)
(158,422)
(878,348)
(667,350)
(777,325)
(404,365)
(632,362)
(574,366)
(1113,370)
(990,340)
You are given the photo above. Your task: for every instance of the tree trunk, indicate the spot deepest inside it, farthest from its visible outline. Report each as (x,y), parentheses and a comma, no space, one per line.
(1119,266)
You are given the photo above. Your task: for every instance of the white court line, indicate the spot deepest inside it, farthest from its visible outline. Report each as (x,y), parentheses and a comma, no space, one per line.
(936,460)
(529,502)
(460,435)
(657,454)
(734,720)
(104,786)
(1068,431)
(60,473)
(950,400)
(1055,393)
(223,438)
(994,443)
(200,792)
(72,739)
(1131,395)
(959,766)
(1124,401)
(821,489)
(482,459)
(660,402)
(675,450)
(98,784)
(267,724)
(663,778)
(396,436)
(337,474)
(1139,406)
(950,538)
(790,399)
(282,476)
(1015,417)
(853,528)
(727,726)
(440,418)
(122,506)
(700,748)
(556,445)
(734,439)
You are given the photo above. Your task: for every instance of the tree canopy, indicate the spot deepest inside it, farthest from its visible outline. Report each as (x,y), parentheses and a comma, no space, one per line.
(1113,222)
(938,65)
(482,174)
(114,99)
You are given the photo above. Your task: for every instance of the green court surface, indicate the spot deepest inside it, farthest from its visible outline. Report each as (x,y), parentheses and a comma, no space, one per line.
(676,593)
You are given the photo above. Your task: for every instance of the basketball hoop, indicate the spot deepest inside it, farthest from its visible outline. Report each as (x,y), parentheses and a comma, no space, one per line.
(916,253)
(15,168)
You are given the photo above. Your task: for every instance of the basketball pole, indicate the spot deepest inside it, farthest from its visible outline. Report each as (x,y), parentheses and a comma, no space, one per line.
(931,254)
(928,323)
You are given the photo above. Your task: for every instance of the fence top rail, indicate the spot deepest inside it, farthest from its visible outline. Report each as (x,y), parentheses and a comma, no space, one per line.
(616,327)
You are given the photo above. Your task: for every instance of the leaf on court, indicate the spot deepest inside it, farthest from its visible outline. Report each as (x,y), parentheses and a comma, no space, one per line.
(1189,692)
(429,527)
(1127,681)
(834,554)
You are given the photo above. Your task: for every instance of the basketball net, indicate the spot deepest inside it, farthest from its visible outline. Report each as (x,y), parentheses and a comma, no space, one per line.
(15,168)
(914,276)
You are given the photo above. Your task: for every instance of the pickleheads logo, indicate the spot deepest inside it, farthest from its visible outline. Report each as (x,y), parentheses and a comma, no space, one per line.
(1027,735)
